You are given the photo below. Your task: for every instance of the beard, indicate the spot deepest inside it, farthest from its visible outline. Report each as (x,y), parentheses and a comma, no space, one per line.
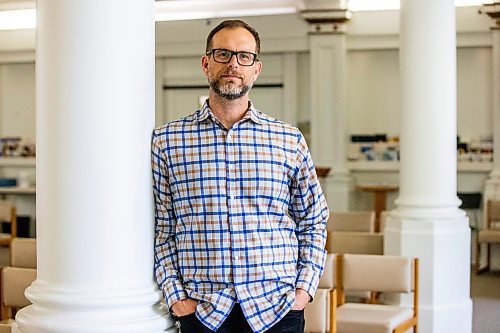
(228,90)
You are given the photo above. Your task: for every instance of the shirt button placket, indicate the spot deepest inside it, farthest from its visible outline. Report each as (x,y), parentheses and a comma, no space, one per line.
(233,205)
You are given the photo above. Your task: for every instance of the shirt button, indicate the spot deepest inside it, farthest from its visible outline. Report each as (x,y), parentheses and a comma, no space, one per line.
(237,257)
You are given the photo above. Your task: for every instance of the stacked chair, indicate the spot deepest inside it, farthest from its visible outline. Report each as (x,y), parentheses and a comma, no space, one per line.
(353,232)
(489,234)
(357,276)
(348,232)
(14,280)
(332,312)
(318,313)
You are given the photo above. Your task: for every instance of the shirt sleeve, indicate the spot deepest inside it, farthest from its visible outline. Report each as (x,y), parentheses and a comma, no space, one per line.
(165,252)
(310,212)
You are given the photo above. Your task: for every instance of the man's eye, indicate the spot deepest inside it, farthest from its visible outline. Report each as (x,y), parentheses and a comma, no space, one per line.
(245,56)
(223,54)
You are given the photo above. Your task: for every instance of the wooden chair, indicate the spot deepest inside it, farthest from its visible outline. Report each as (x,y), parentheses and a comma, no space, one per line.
(490,234)
(378,274)
(16,278)
(8,215)
(351,221)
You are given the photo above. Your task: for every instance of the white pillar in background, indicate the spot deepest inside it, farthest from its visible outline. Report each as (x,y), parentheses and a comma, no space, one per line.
(492,186)
(95,112)
(427,222)
(328,97)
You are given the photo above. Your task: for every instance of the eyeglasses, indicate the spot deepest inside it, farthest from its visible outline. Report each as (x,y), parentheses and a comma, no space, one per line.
(224,56)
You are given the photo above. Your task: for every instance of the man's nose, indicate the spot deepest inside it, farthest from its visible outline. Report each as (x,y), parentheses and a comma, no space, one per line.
(233,61)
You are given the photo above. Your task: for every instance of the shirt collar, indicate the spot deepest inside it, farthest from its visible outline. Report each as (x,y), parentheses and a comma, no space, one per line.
(252,113)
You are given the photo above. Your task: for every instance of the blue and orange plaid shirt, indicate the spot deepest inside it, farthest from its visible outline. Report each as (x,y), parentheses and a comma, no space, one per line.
(240,216)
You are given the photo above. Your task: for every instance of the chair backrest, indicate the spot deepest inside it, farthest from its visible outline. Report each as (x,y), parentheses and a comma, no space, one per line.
(381,273)
(327,280)
(355,242)
(23,252)
(351,221)
(15,280)
(7,211)
(8,215)
(493,214)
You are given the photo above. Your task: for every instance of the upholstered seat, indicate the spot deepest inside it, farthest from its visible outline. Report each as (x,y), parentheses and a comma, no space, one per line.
(370,318)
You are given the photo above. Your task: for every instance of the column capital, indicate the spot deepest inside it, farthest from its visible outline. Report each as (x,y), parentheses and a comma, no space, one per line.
(326,16)
(493,11)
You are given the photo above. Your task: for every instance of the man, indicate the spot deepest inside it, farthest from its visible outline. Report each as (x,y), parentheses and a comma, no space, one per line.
(240,216)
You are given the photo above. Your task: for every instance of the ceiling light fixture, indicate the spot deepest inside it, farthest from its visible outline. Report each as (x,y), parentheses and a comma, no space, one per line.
(197,9)
(18,19)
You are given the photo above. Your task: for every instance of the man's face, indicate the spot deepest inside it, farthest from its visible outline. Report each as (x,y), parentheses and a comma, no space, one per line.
(231,80)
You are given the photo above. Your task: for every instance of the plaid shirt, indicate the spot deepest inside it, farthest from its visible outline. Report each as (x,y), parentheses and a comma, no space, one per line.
(240,216)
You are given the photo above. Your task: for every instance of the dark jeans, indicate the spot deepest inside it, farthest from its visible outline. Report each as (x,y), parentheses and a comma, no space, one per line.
(293,322)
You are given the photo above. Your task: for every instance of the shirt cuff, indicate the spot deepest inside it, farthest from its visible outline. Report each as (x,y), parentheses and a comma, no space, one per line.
(174,292)
(308,280)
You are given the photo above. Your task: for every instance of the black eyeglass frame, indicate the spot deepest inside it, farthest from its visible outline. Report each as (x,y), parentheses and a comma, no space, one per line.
(233,53)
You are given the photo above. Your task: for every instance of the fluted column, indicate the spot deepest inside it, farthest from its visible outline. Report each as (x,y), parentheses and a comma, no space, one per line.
(427,222)
(95,113)
(492,186)
(327,42)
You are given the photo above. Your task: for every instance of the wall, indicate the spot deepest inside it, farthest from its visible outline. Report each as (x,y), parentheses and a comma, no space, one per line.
(17,100)
(373,91)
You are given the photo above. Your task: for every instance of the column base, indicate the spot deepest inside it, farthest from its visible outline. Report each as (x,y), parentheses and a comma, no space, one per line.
(442,245)
(450,318)
(62,311)
(339,191)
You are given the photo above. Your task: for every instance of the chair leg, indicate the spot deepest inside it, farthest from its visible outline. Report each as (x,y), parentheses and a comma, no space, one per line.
(5,313)
(488,255)
(478,258)
(480,269)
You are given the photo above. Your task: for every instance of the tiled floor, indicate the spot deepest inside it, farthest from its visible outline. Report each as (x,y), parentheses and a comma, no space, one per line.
(485,293)
(486,284)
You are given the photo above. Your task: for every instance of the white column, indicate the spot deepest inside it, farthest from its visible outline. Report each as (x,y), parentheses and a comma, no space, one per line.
(95,112)
(327,43)
(492,186)
(427,222)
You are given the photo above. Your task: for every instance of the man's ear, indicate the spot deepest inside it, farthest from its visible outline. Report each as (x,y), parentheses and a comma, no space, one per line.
(204,64)
(258,69)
